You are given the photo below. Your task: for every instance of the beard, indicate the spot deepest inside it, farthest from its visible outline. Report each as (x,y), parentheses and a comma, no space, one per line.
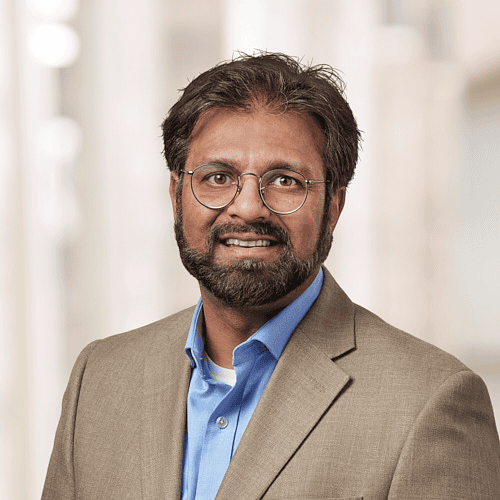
(251,282)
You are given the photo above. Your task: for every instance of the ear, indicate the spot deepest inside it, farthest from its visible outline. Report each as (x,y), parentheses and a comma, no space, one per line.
(174,182)
(336,207)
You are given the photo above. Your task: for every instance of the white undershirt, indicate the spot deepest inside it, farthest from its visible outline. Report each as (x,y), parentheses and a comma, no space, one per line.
(221,374)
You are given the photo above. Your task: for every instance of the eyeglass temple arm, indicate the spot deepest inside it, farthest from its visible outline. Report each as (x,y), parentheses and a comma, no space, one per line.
(316,182)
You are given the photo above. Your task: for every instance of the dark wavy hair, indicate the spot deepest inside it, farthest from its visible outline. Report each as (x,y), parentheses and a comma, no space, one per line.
(278,81)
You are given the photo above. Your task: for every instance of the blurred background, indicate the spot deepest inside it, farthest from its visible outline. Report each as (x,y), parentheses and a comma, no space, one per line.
(87,247)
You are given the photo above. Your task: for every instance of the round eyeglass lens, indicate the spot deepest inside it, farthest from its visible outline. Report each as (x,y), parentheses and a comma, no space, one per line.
(284,190)
(213,185)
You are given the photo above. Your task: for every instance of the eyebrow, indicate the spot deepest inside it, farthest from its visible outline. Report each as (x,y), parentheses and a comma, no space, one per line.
(273,165)
(282,165)
(223,162)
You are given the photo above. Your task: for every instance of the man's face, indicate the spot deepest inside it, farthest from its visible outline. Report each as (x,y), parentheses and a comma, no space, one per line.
(296,244)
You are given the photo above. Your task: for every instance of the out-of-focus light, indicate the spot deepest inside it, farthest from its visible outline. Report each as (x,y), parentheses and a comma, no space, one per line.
(54,45)
(61,138)
(54,10)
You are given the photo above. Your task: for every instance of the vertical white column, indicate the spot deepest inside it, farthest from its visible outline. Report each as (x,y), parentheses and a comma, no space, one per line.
(13,411)
(48,145)
(401,179)
(42,237)
(348,29)
(134,180)
(272,25)
(244,26)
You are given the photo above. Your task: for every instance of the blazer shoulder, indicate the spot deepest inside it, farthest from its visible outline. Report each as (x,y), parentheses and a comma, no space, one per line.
(401,352)
(129,348)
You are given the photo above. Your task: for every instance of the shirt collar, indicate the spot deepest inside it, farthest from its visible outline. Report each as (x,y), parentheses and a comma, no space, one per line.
(274,334)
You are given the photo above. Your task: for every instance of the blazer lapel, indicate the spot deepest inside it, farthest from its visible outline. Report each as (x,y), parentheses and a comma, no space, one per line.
(303,386)
(166,383)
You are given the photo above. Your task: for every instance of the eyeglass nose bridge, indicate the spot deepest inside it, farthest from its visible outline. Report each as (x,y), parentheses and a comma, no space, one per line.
(261,189)
(238,188)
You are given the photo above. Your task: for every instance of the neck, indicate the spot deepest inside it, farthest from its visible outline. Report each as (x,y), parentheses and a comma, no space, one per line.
(227,327)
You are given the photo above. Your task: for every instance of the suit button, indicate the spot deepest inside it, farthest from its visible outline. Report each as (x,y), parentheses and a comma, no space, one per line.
(222,422)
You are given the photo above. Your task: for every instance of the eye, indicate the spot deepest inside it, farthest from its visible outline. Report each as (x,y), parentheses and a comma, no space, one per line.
(218,179)
(283,181)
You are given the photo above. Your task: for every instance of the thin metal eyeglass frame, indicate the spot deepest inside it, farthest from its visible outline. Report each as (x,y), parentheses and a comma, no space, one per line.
(261,189)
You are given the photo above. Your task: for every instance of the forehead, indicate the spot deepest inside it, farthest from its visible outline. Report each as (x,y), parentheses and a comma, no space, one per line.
(258,139)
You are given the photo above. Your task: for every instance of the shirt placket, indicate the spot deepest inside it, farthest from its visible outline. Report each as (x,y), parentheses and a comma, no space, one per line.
(218,446)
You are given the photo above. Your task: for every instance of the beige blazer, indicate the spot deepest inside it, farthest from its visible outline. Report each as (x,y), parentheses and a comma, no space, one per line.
(355,409)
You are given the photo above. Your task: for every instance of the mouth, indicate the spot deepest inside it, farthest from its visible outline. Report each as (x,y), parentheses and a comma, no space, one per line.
(248,243)
(255,240)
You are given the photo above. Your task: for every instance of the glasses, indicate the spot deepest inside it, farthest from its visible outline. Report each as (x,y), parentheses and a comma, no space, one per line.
(282,191)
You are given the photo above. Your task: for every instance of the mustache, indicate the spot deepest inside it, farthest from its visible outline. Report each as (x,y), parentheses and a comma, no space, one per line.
(258,228)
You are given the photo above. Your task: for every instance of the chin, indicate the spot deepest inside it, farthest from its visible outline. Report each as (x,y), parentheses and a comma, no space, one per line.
(248,282)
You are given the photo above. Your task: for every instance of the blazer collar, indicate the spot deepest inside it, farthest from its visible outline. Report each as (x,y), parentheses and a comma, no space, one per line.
(329,324)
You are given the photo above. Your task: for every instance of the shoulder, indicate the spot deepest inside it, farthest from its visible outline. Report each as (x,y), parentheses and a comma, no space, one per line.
(380,340)
(391,359)
(126,350)
(109,370)
(147,338)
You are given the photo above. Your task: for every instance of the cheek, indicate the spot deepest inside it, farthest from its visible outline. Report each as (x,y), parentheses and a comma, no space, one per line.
(197,220)
(304,231)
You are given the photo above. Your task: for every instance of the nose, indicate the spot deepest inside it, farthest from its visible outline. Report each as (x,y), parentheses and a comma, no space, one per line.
(248,205)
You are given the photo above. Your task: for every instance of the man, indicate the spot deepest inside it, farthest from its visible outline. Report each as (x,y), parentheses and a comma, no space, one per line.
(275,385)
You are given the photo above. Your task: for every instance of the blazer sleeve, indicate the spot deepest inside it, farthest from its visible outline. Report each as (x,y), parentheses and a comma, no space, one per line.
(60,480)
(453,450)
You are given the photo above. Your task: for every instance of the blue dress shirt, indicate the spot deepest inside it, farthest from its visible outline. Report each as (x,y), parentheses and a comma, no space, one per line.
(218,414)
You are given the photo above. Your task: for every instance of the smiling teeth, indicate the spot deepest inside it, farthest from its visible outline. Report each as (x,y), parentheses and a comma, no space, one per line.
(253,243)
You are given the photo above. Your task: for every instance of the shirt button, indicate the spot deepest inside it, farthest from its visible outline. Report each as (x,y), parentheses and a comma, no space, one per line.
(222,422)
